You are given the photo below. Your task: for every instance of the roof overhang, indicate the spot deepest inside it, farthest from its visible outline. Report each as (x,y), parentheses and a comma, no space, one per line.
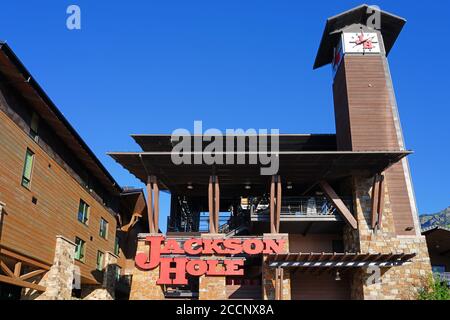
(297,167)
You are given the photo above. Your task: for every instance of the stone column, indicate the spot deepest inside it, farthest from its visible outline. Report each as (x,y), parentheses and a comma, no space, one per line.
(59,279)
(106,291)
(268,274)
(212,287)
(143,283)
(400,282)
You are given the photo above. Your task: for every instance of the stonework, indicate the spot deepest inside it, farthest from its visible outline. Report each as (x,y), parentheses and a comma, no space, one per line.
(401,282)
(106,290)
(212,287)
(59,279)
(143,283)
(268,274)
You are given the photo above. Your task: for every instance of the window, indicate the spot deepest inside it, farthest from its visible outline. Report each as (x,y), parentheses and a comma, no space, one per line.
(83,212)
(34,126)
(100,256)
(103,228)
(27,169)
(118,273)
(80,249)
(117,246)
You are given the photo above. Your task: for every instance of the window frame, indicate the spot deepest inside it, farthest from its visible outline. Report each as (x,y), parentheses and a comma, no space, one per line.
(100,266)
(34,126)
(26,181)
(100,233)
(117,245)
(80,255)
(86,213)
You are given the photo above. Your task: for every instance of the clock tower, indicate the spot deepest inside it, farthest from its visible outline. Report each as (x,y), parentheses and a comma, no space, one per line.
(356,43)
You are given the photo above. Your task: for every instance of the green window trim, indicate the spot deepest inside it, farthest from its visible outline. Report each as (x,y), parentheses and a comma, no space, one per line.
(27,169)
(103,228)
(80,249)
(83,212)
(100,260)
(117,246)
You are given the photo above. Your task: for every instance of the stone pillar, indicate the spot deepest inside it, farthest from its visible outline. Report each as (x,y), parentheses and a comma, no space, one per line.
(59,279)
(212,287)
(143,283)
(268,274)
(400,282)
(106,291)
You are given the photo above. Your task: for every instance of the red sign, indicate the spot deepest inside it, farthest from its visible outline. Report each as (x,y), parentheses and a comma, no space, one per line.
(180,266)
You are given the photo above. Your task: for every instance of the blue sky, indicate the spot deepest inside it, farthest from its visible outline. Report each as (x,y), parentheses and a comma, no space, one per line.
(154,66)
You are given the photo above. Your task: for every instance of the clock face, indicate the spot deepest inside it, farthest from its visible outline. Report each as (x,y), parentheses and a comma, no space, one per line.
(361,42)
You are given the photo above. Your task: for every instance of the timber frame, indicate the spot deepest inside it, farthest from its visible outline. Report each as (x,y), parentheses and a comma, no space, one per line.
(16,275)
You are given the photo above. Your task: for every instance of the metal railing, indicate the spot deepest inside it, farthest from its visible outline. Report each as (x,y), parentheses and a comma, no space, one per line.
(306,206)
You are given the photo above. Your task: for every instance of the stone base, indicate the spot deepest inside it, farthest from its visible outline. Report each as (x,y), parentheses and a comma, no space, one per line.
(268,274)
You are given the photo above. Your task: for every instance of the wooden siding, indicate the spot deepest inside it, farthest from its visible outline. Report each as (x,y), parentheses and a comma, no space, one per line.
(32,228)
(365,122)
(306,285)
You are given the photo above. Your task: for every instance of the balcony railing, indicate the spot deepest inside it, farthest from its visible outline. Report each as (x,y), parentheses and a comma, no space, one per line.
(304,208)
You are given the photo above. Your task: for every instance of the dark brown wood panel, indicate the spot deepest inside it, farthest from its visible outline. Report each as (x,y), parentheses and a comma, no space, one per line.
(307,285)
(32,228)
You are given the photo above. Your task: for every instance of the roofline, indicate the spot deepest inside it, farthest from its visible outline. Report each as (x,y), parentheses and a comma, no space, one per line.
(406,152)
(238,135)
(432,229)
(21,67)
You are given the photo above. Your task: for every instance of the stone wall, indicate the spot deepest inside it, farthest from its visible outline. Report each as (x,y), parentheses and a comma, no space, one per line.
(59,279)
(399,282)
(268,274)
(106,290)
(143,283)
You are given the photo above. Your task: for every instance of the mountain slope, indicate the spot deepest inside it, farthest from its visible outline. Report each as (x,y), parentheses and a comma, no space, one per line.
(441,219)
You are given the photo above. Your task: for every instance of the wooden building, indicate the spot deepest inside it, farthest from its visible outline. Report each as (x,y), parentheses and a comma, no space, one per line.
(343,203)
(59,205)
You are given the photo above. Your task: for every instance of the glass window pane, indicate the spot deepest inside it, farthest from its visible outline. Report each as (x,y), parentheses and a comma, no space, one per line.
(27,168)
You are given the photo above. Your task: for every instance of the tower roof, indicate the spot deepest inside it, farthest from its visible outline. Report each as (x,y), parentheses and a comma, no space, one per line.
(391,26)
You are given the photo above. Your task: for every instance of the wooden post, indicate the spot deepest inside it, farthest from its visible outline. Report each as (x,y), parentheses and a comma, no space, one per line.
(156,203)
(381,200)
(211,206)
(375,200)
(216,203)
(272,205)
(278,211)
(150,206)
(280,296)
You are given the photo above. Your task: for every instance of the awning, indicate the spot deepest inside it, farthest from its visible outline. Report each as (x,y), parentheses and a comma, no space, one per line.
(338,260)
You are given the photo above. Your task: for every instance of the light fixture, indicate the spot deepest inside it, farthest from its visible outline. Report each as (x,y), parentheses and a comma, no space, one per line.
(338,276)
(289,186)
(190,186)
(247,187)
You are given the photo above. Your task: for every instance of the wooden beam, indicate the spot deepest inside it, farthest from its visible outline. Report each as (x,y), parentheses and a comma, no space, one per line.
(375,200)
(150,206)
(156,203)
(281,284)
(211,206)
(272,205)
(18,269)
(278,208)
(21,283)
(32,274)
(339,204)
(216,202)
(381,201)
(5,269)
(25,260)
